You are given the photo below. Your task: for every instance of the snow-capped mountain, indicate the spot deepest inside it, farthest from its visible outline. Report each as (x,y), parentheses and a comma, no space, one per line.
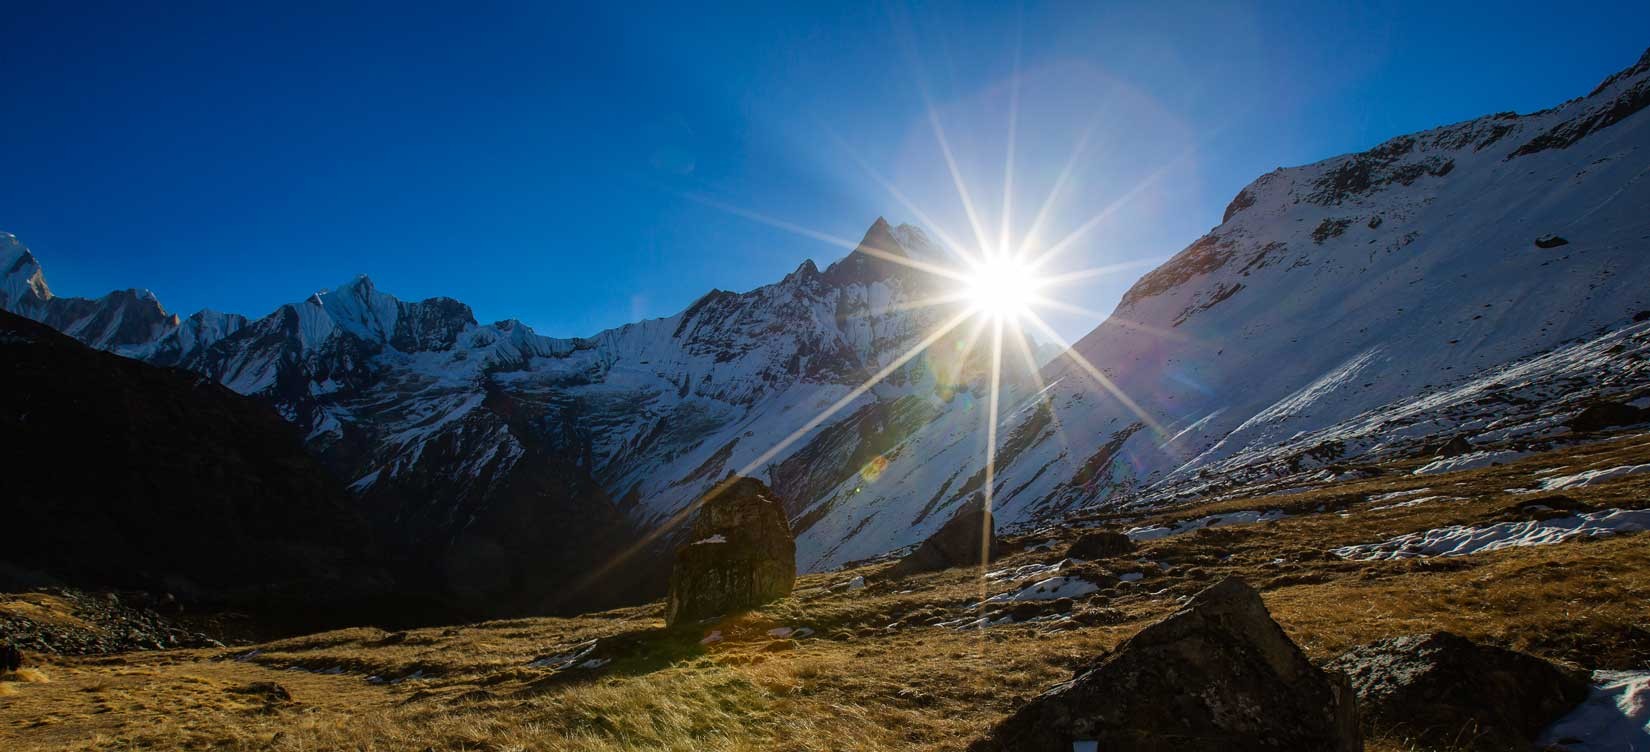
(119,321)
(481,447)
(1461,279)
(1470,278)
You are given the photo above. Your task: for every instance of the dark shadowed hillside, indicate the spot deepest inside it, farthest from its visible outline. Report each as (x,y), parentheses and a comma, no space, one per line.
(194,490)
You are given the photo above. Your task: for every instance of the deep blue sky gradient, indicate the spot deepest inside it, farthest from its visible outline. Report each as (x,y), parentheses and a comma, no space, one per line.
(582,167)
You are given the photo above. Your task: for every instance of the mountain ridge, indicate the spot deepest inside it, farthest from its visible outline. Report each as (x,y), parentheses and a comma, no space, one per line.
(435,420)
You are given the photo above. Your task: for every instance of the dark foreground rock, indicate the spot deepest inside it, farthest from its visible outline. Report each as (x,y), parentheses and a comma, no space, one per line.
(741,554)
(1101,544)
(1216,675)
(1445,690)
(958,543)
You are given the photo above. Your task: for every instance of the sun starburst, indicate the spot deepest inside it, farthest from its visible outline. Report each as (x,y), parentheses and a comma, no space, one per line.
(997,283)
(1002,287)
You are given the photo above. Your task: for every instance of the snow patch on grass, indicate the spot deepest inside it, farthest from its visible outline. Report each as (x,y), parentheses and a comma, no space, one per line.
(1414,502)
(1461,540)
(1053,588)
(1247,517)
(1471,461)
(1592,476)
(1616,716)
(1019,573)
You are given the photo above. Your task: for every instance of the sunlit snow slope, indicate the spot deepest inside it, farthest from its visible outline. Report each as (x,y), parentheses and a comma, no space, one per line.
(1338,307)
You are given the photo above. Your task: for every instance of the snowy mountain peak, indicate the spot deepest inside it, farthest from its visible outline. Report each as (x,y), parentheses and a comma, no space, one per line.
(22,284)
(877,257)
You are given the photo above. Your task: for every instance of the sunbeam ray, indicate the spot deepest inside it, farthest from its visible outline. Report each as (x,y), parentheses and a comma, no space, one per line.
(1097,271)
(1071,238)
(995,398)
(934,269)
(756,216)
(1054,192)
(913,305)
(948,241)
(1114,320)
(1094,373)
(1007,221)
(980,241)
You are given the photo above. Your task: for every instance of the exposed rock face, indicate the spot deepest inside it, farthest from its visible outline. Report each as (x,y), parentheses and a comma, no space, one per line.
(1443,689)
(741,555)
(958,543)
(1550,241)
(1602,415)
(1101,544)
(1217,675)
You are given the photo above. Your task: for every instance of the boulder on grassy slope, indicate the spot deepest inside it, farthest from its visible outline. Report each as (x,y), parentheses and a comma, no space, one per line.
(1443,689)
(1455,447)
(1216,675)
(741,554)
(1601,415)
(958,543)
(1101,544)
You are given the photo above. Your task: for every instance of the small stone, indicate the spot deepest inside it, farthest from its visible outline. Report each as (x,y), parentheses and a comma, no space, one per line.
(268,690)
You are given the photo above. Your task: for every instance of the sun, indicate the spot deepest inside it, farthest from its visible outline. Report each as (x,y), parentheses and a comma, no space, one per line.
(1001,287)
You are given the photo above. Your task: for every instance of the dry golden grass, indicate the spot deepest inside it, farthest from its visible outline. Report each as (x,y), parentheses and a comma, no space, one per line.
(859,684)
(41,608)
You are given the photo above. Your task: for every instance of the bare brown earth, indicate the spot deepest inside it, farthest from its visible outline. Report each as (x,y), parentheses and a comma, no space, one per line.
(876,675)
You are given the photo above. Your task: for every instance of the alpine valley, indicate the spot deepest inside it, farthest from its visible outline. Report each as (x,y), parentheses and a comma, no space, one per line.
(1484,281)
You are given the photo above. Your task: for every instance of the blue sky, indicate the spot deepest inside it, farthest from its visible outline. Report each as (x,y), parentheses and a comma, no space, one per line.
(581,167)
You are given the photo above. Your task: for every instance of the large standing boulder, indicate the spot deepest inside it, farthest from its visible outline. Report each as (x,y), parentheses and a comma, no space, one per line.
(1443,689)
(741,554)
(958,543)
(1218,675)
